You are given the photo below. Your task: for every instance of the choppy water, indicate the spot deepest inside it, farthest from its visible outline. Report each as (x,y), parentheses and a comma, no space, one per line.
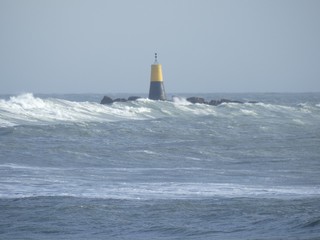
(71,168)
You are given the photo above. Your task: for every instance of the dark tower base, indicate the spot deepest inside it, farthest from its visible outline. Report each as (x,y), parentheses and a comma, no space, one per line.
(156,91)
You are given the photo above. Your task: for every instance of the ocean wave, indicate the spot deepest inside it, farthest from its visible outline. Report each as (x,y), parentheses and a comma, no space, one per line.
(144,191)
(26,109)
(20,180)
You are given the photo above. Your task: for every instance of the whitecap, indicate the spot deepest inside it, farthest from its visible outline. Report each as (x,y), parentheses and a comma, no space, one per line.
(27,109)
(248,112)
(180,101)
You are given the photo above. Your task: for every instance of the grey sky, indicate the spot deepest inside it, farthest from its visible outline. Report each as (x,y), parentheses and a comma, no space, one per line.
(101,46)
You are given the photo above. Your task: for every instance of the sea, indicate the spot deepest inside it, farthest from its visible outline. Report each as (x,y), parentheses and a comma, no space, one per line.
(71,168)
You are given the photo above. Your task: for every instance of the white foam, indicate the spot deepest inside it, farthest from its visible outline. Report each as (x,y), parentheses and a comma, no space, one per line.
(180,101)
(4,123)
(194,109)
(198,190)
(57,186)
(248,112)
(27,109)
(29,181)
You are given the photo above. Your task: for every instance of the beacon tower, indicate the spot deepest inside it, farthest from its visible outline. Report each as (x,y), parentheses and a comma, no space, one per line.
(156,91)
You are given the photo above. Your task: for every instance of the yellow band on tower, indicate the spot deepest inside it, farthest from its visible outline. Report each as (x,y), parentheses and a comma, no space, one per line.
(156,73)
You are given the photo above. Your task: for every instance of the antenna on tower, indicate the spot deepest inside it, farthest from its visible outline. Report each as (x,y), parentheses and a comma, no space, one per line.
(155,58)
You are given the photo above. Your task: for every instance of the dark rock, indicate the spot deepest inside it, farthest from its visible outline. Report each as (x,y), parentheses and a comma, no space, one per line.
(106,100)
(196,100)
(133,98)
(214,102)
(120,100)
(218,102)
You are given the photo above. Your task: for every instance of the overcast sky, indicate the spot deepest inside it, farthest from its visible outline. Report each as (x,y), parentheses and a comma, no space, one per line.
(107,46)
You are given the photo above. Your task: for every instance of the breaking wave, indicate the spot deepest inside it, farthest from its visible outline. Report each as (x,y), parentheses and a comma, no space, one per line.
(26,109)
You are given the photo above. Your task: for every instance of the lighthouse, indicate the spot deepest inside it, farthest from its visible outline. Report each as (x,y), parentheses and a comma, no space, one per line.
(156,91)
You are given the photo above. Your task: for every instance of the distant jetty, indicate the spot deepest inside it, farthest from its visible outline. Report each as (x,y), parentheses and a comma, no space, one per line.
(195,100)
(157,92)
